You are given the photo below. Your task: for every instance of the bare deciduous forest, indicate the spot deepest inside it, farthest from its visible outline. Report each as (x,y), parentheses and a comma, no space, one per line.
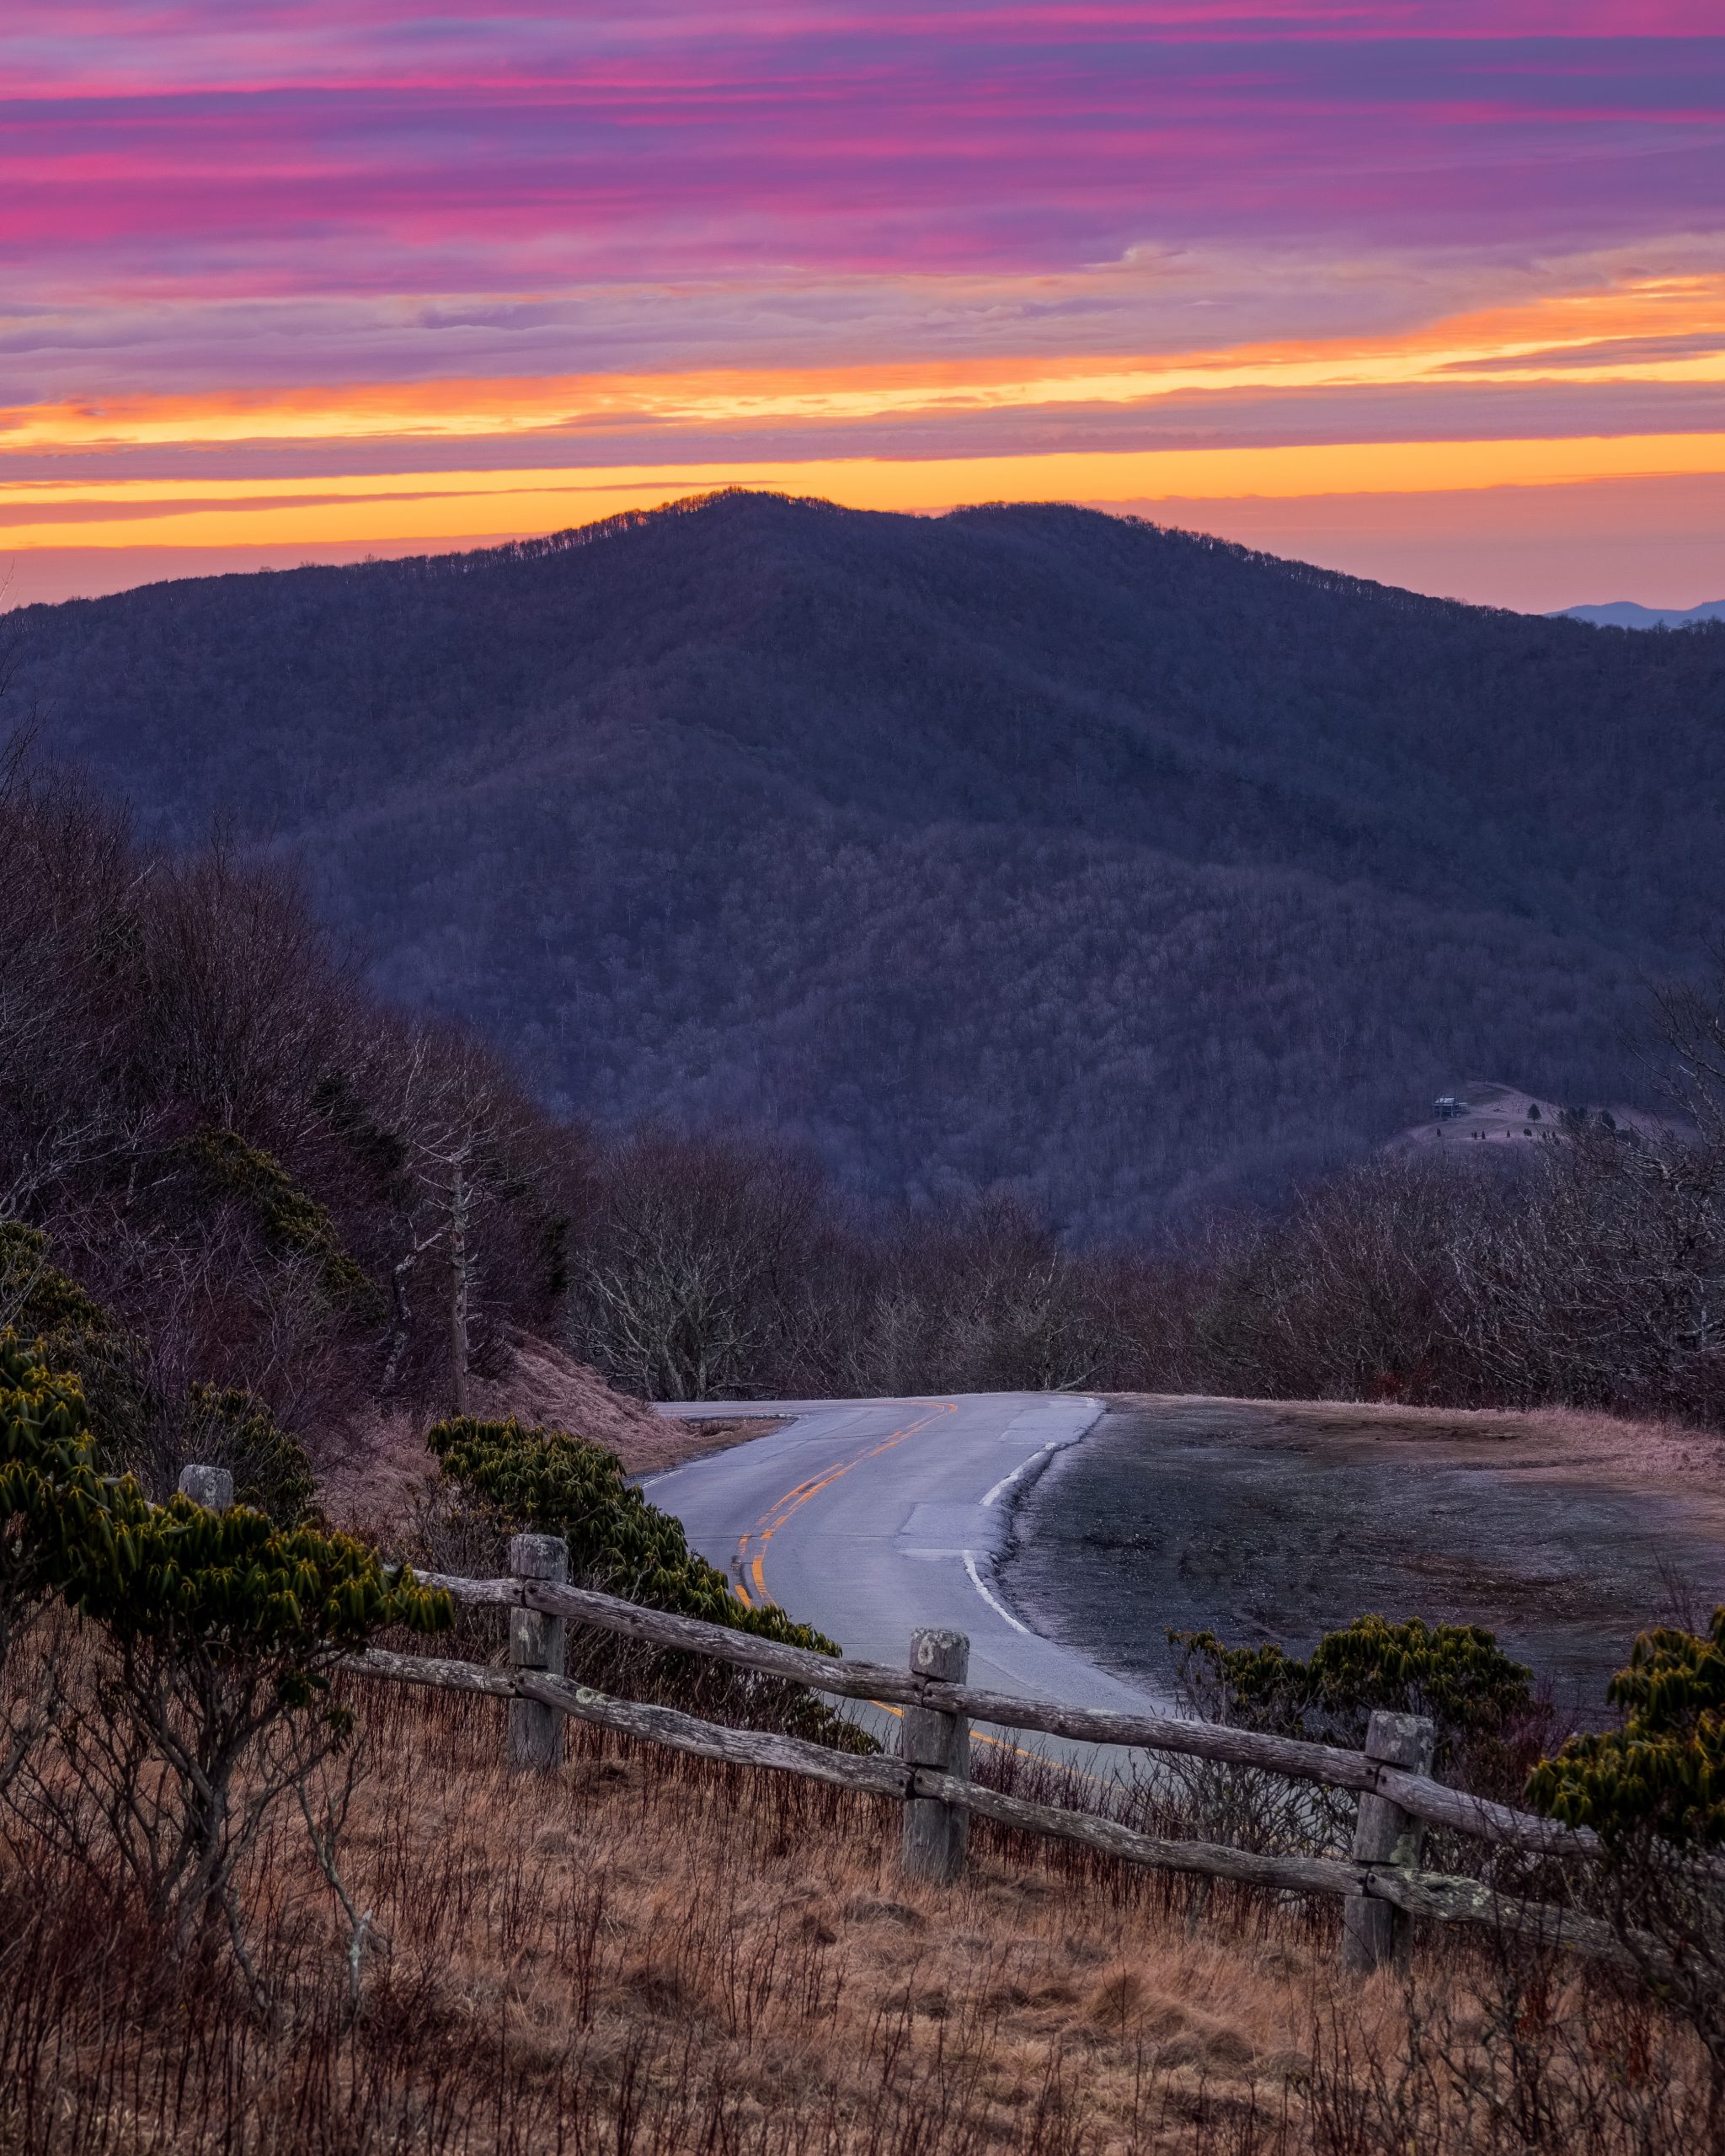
(1021,847)
(266,1183)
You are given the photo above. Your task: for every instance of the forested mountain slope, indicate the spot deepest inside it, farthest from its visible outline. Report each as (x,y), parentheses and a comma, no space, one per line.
(1021,843)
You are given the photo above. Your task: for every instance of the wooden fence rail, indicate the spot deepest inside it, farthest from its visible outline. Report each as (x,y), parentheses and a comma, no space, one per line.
(1380,1883)
(1416,1793)
(1440,1895)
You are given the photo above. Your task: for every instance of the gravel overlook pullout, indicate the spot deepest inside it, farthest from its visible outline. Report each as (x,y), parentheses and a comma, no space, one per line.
(1565,1534)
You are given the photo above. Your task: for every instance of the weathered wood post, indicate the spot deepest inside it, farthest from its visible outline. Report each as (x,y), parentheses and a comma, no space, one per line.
(536,1642)
(936,1835)
(212,1488)
(1374,1933)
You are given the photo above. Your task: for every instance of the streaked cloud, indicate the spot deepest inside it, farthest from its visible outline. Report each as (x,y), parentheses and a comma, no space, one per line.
(1645,330)
(499,503)
(300,272)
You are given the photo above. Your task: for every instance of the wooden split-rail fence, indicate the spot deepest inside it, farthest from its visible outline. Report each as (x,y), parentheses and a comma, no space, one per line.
(1381,1884)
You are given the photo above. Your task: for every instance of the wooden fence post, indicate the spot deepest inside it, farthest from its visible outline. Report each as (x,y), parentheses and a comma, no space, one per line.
(936,1835)
(1374,1933)
(212,1488)
(536,1642)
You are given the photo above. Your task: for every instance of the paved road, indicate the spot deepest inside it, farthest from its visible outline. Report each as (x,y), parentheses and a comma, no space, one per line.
(870,1518)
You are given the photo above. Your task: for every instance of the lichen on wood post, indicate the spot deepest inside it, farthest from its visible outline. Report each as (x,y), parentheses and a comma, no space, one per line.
(211,1488)
(1375,1932)
(536,1642)
(937,1834)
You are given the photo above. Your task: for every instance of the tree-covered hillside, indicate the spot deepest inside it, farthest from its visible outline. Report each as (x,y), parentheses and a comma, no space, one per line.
(1023,843)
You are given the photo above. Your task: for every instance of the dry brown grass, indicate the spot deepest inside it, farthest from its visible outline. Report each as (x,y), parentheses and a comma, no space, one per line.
(690,1437)
(1570,1442)
(644,1955)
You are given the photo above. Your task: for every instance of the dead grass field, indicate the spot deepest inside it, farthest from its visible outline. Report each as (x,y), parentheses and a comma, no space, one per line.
(644,1955)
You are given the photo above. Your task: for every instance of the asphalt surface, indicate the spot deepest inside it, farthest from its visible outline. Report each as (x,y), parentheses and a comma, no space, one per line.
(870,1518)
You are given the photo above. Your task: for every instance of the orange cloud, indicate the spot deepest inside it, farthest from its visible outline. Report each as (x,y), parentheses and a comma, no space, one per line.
(393,508)
(1668,330)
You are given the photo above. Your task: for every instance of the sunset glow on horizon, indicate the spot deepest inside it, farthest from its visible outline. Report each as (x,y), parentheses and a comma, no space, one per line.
(299,282)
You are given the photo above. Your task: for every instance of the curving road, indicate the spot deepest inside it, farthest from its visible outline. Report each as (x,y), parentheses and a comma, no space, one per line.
(870,1518)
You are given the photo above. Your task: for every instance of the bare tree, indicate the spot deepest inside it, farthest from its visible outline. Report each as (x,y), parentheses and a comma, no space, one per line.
(693,1276)
(468,1147)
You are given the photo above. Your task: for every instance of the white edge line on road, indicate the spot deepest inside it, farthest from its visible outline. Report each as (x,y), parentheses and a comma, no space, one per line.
(1007,1481)
(999,1491)
(998,1607)
(1054,1445)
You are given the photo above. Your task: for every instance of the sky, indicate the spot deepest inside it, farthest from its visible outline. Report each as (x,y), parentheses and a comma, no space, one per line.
(1430,290)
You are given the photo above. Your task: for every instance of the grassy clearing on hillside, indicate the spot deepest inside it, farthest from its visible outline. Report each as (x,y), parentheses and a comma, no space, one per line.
(649,1956)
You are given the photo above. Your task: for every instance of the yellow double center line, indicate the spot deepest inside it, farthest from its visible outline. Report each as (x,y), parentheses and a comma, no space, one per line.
(753,1565)
(753,1549)
(787,1506)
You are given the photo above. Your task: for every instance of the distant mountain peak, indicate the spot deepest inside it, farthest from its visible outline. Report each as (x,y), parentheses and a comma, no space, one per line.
(1627,614)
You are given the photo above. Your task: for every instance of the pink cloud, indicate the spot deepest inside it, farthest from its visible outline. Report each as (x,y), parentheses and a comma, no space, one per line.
(333,190)
(814,142)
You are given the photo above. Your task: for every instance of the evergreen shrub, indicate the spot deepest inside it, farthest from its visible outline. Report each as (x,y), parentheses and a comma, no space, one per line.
(272,1470)
(1488,1719)
(213,1697)
(547,1481)
(289,1217)
(1662,1772)
(1653,1790)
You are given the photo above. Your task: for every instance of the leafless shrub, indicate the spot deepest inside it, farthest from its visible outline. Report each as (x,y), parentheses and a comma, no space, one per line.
(164,1768)
(1516,2049)
(267,1181)
(693,1276)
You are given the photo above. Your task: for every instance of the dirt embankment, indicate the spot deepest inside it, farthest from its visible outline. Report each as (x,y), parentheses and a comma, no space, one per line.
(377,1471)
(1565,1533)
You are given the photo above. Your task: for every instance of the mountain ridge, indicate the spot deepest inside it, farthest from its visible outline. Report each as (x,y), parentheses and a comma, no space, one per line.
(1629,614)
(1024,843)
